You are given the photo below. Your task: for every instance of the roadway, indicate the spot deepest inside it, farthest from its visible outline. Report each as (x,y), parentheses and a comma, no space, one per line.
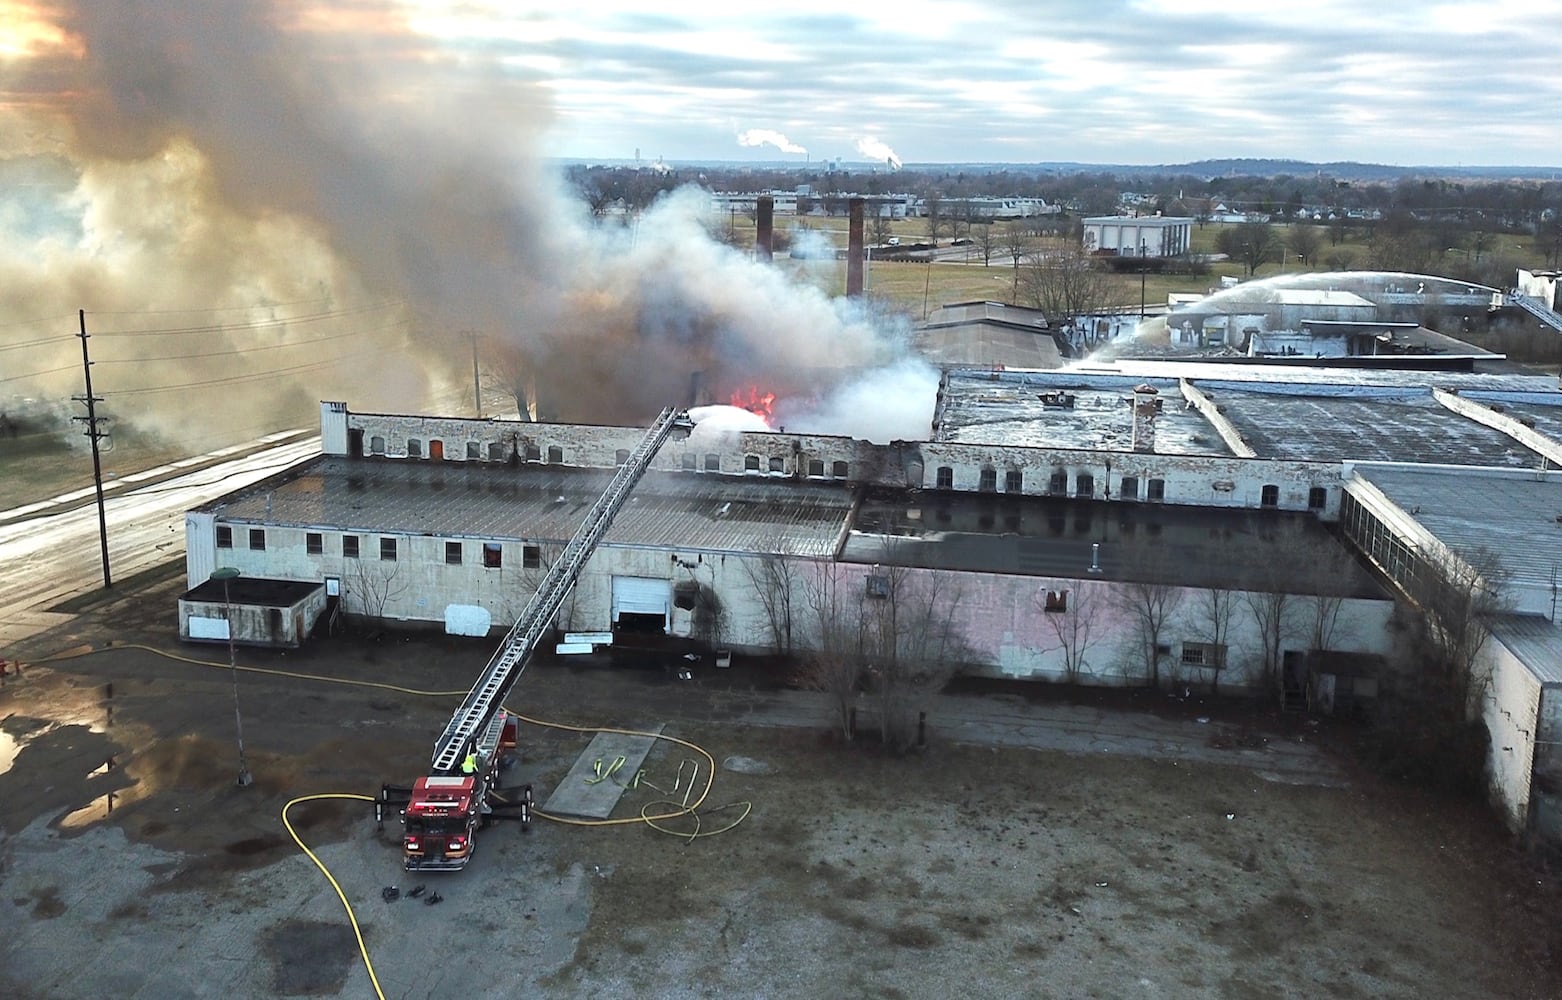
(51,550)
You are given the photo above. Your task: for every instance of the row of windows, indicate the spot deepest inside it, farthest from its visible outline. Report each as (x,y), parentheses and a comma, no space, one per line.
(1085,486)
(314,544)
(711,462)
(1393,554)
(498,451)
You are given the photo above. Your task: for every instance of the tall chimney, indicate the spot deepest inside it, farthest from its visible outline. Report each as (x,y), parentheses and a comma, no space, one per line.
(855,248)
(1147,406)
(764,233)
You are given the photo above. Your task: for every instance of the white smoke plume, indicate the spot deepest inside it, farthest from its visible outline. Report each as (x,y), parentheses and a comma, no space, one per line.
(873,149)
(350,209)
(768,137)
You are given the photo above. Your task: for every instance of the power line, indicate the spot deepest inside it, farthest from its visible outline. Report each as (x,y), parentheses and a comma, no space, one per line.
(51,371)
(238,379)
(35,343)
(249,350)
(270,324)
(208,309)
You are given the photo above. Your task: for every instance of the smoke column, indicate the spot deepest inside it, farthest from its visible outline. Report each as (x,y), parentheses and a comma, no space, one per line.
(360,204)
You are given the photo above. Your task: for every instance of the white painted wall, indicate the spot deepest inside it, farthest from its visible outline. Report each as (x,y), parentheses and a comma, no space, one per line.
(1510,708)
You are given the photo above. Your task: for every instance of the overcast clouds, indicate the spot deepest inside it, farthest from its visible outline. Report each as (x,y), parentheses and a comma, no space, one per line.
(1022,81)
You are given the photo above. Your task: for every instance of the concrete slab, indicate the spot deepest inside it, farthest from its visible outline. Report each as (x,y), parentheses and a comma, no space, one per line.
(581,794)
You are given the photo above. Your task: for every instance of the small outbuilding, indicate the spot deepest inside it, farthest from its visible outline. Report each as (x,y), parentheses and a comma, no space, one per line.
(260,612)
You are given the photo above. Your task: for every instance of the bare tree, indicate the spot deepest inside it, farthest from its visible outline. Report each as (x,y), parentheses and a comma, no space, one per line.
(1149,603)
(1322,571)
(1212,614)
(879,228)
(986,240)
(508,373)
(1304,243)
(1072,615)
(1457,592)
(1250,243)
(912,644)
(1015,243)
(935,218)
(833,662)
(375,583)
(773,579)
(1064,283)
(1273,614)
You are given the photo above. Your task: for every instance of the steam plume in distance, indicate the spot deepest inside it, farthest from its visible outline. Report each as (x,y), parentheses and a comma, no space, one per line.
(873,149)
(765,136)
(347,207)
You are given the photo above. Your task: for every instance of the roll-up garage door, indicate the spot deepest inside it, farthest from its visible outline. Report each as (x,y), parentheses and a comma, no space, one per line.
(638,595)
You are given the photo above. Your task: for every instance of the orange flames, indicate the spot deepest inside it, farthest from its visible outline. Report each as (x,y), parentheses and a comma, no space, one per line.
(754,401)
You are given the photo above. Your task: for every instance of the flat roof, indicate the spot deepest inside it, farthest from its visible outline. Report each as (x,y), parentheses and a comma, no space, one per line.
(987,343)
(1202,547)
(1007,408)
(1215,372)
(1536,641)
(1382,425)
(1515,516)
(545,503)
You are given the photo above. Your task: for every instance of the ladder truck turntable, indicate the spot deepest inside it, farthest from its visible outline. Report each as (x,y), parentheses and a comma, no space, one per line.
(442,811)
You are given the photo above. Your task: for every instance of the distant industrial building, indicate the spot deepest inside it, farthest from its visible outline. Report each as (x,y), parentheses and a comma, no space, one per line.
(1137,236)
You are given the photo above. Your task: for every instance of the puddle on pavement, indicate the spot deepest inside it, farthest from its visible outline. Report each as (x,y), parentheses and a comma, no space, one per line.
(8,749)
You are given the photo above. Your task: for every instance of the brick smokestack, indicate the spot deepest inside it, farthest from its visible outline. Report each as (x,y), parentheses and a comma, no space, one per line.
(1146,405)
(764,234)
(855,248)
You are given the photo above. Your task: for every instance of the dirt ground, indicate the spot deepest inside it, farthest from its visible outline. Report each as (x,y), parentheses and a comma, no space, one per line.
(131,865)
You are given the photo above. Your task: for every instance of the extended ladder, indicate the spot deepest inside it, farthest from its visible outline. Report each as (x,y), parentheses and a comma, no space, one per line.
(507,663)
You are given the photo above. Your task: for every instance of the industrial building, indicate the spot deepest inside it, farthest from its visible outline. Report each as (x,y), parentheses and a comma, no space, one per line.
(1037,495)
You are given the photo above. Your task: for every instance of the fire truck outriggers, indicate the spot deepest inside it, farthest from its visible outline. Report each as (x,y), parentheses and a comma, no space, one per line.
(442,811)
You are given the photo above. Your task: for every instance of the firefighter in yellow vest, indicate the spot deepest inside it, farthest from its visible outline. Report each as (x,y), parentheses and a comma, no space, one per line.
(469,765)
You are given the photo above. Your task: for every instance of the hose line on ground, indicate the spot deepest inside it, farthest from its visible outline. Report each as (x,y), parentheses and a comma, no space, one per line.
(352,918)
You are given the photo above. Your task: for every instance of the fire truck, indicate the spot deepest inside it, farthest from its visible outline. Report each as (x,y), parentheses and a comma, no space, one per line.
(442,811)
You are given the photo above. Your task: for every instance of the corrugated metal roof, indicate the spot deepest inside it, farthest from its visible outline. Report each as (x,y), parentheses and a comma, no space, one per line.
(1215,372)
(546,503)
(1536,642)
(1514,516)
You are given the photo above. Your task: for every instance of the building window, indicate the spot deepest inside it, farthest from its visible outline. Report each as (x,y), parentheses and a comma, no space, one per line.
(987,482)
(838,470)
(414,448)
(555,455)
(387,548)
(1014,481)
(376,445)
(474,451)
(533,452)
(452,553)
(712,462)
(1204,654)
(1085,485)
(496,451)
(1129,489)
(224,537)
(1271,496)
(493,555)
(1317,498)
(1056,601)
(350,546)
(691,461)
(257,539)
(750,463)
(945,478)
(314,543)
(1058,484)
(621,456)
(778,465)
(531,556)
(877,585)
(1155,489)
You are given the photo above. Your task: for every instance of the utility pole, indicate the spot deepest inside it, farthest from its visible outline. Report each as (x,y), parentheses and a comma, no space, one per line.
(93,435)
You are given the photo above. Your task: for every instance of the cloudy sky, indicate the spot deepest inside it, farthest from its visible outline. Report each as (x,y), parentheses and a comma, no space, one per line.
(1139,81)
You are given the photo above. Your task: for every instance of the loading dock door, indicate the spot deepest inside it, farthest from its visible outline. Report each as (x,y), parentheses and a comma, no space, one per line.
(641,604)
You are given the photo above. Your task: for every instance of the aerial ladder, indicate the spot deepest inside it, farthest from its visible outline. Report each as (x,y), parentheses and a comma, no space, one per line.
(442,811)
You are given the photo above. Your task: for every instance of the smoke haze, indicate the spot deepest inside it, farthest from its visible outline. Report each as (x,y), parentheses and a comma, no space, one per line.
(261,205)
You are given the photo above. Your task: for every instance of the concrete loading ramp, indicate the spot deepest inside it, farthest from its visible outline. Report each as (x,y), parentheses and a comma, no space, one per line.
(594,784)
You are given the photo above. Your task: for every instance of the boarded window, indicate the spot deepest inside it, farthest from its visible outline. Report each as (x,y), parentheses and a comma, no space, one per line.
(496,452)
(1014,481)
(1058,484)
(691,461)
(1085,485)
(1155,489)
(1270,496)
(414,448)
(877,585)
(474,451)
(493,555)
(453,553)
(387,548)
(1129,489)
(350,546)
(987,481)
(750,463)
(1056,601)
(376,445)
(712,462)
(224,537)
(945,478)
(533,452)
(314,543)
(621,456)
(839,470)
(257,539)
(531,556)
(778,465)
(816,468)
(555,455)
(1317,498)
